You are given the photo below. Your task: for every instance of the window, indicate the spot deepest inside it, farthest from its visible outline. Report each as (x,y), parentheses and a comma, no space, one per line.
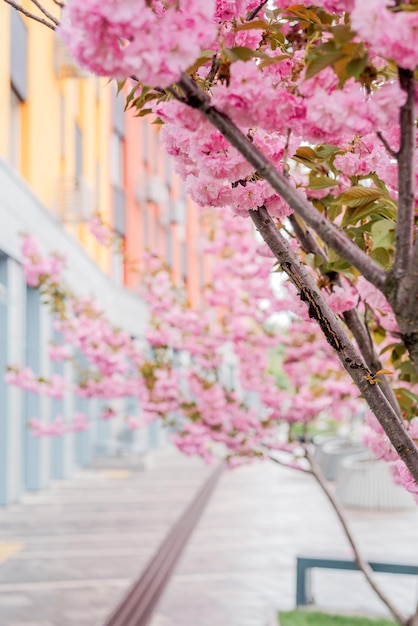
(78,153)
(145,140)
(117,179)
(118,264)
(62,126)
(15,130)
(145,227)
(168,246)
(184,260)
(18,56)
(117,165)
(97,178)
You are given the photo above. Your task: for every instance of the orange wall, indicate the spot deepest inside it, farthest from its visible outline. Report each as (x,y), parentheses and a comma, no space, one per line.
(146,161)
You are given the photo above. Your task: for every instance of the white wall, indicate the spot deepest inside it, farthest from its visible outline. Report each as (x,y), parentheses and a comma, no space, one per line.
(21,212)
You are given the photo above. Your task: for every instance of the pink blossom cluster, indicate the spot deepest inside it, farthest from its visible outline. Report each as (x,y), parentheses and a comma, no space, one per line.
(25,378)
(390,34)
(59,426)
(184,383)
(101,231)
(379,444)
(226,178)
(38,268)
(243,420)
(267,109)
(118,38)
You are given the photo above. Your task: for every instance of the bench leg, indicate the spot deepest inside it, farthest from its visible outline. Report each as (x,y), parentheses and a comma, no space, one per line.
(303,585)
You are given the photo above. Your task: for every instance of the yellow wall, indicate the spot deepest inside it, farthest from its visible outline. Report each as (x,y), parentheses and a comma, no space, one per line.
(4,77)
(48,119)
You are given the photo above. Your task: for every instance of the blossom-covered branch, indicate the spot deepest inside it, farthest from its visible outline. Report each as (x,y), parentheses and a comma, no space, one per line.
(329,233)
(336,337)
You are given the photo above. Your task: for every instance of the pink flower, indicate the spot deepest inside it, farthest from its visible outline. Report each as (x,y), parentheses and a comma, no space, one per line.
(392,35)
(117,38)
(30,247)
(341,299)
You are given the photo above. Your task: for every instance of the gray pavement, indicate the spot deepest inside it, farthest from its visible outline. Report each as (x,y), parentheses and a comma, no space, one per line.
(67,555)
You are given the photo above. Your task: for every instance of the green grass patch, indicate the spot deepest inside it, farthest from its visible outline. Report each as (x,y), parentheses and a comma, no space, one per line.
(313,618)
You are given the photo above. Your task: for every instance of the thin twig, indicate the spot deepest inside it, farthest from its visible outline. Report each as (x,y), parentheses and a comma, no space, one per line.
(365,344)
(32,16)
(45,12)
(384,141)
(406,178)
(291,467)
(306,239)
(361,563)
(252,14)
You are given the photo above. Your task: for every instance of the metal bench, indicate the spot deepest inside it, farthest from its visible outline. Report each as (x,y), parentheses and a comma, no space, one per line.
(305,564)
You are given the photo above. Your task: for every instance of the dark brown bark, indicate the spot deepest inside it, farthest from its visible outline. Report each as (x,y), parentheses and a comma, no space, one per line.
(338,339)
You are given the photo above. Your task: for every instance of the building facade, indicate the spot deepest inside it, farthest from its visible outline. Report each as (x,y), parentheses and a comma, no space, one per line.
(68,152)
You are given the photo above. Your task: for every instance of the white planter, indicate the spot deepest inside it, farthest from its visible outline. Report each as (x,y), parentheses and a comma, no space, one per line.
(334,452)
(365,483)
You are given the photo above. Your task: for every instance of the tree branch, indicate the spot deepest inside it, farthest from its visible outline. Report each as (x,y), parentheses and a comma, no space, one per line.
(256,11)
(402,283)
(288,466)
(406,177)
(338,339)
(326,230)
(352,318)
(365,344)
(361,563)
(384,141)
(307,240)
(32,16)
(45,12)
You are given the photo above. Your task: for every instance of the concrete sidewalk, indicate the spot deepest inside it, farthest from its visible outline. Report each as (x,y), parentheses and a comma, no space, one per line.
(68,555)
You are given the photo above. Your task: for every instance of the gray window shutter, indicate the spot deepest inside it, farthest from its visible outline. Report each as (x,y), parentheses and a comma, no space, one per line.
(18,55)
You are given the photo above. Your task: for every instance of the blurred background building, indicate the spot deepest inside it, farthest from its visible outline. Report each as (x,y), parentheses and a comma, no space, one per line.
(68,152)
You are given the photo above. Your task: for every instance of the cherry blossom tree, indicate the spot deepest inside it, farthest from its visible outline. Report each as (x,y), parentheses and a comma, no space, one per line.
(301,117)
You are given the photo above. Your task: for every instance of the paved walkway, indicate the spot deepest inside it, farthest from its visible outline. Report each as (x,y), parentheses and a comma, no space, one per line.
(68,555)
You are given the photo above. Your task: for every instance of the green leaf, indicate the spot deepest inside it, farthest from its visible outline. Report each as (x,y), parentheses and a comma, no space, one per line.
(120,85)
(240,53)
(383,233)
(406,392)
(356,67)
(204,57)
(321,61)
(300,11)
(342,34)
(380,184)
(305,152)
(408,371)
(254,24)
(334,211)
(354,215)
(320,182)
(325,150)
(144,112)
(381,255)
(272,60)
(358,196)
